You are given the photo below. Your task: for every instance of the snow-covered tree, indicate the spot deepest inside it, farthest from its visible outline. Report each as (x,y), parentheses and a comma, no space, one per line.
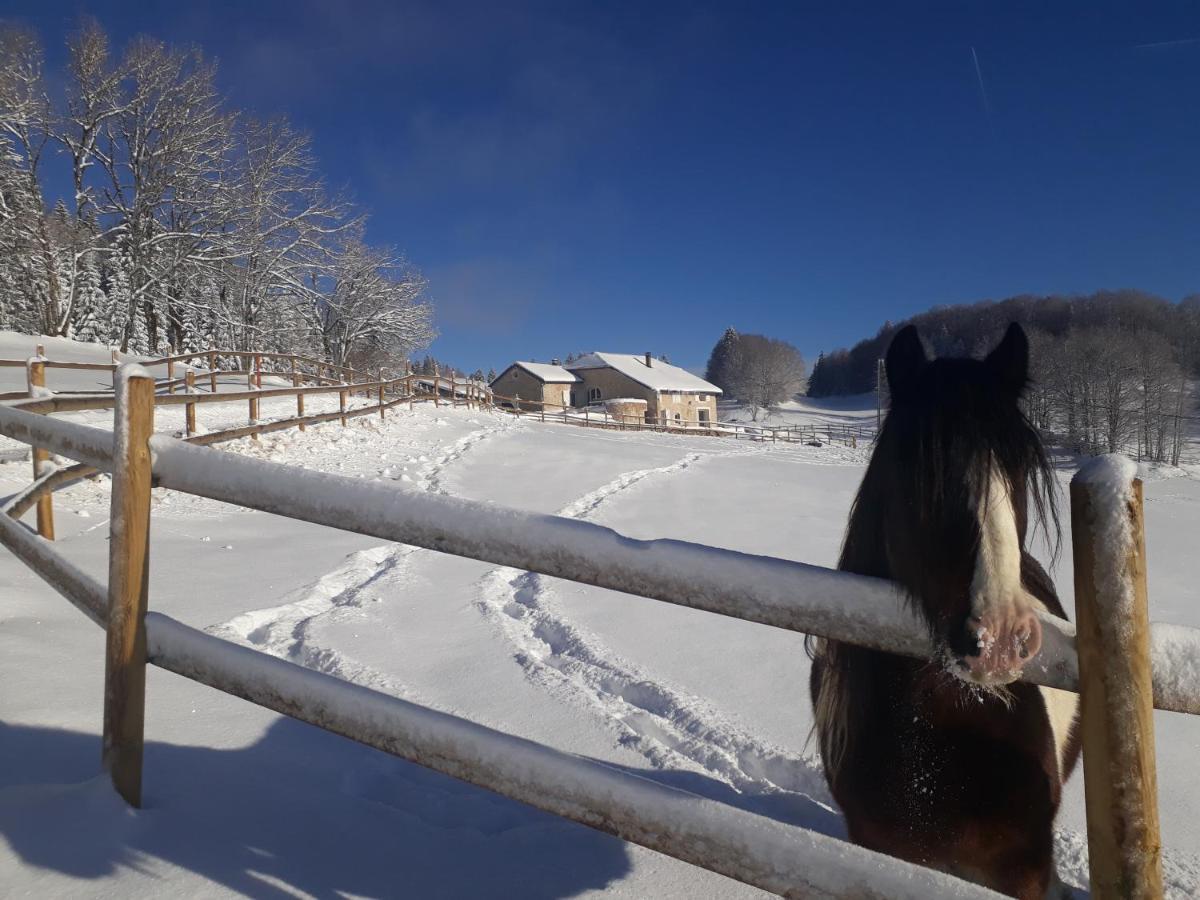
(190,224)
(765,372)
(369,302)
(91,314)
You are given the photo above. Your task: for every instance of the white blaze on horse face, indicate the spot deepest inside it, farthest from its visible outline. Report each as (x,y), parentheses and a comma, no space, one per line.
(1003,614)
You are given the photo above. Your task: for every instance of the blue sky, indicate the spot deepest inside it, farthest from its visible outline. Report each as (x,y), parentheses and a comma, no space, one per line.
(638,176)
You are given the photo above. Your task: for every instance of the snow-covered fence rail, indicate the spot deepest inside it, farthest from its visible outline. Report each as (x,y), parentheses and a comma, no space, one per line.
(386,392)
(782,593)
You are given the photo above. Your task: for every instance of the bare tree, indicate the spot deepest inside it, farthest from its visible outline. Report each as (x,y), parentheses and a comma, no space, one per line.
(279,221)
(191,225)
(369,303)
(25,129)
(763,372)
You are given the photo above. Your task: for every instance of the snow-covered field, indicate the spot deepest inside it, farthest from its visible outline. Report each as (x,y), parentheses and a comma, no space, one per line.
(239,800)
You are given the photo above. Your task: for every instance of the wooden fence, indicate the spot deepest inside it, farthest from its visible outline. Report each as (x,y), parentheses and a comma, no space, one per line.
(597,416)
(1110,585)
(382,394)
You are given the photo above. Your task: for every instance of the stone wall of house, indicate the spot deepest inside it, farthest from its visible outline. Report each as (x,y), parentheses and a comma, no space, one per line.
(684,409)
(627,410)
(516,382)
(611,384)
(660,408)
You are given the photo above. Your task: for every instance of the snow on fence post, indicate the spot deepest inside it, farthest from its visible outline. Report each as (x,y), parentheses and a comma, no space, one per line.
(189,409)
(1116,700)
(128,574)
(35,378)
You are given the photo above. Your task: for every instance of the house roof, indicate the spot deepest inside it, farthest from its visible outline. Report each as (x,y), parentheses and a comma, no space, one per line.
(548,373)
(658,376)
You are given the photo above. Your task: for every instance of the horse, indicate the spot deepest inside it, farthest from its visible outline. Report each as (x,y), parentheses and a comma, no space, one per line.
(952,762)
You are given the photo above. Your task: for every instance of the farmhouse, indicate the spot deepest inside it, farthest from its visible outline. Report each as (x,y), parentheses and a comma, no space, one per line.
(660,392)
(537,384)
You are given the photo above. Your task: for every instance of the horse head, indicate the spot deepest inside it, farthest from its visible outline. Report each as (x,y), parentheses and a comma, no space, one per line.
(957,463)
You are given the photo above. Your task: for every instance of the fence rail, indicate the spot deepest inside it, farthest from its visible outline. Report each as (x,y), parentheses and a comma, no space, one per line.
(595,415)
(809,599)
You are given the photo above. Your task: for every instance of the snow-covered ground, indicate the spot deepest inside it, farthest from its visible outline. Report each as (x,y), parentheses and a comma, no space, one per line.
(239,800)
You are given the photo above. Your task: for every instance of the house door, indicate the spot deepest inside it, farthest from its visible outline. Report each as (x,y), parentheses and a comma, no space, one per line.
(703,416)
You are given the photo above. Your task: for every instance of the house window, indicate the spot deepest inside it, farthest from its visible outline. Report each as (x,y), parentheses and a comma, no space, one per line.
(593,395)
(515,373)
(703,398)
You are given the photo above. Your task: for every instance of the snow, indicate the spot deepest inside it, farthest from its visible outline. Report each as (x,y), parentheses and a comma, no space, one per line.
(778,856)
(548,373)
(1108,480)
(242,801)
(658,376)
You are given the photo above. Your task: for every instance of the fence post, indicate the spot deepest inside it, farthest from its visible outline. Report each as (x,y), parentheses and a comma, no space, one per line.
(212,371)
(437,385)
(299,397)
(1116,702)
(257,371)
(382,392)
(35,377)
(190,408)
(170,376)
(342,406)
(128,570)
(253,400)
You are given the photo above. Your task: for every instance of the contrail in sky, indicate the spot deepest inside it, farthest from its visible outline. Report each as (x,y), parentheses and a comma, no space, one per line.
(1158,44)
(987,107)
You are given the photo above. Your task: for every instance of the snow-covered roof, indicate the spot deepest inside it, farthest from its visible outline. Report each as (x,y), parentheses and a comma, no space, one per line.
(658,376)
(548,373)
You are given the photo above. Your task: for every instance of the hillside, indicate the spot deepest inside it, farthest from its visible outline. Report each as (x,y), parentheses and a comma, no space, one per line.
(970,329)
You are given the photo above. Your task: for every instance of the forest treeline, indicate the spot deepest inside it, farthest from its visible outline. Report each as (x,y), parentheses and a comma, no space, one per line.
(1112,371)
(189,224)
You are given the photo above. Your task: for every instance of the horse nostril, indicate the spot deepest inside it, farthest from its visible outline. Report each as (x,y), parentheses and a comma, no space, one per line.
(1031,641)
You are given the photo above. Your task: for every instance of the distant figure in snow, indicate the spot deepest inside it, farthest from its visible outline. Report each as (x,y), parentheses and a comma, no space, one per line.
(952,763)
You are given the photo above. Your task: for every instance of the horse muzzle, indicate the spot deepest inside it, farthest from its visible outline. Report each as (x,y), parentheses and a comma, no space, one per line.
(998,645)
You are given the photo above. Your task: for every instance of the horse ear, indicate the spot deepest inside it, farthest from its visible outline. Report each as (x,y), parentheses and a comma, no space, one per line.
(905,358)
(1010,360)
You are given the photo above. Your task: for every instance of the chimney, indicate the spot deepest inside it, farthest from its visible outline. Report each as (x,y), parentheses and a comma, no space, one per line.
(648,363)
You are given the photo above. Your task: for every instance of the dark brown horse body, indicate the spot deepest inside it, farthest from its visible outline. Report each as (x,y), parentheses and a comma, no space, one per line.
(952,763)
